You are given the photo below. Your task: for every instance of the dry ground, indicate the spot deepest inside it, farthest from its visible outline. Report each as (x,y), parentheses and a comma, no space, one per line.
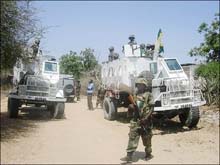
(85,137)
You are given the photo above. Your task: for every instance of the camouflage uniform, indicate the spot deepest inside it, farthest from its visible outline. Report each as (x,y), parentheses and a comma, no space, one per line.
(100,97)
(143,102)
(140,127)
(78,88)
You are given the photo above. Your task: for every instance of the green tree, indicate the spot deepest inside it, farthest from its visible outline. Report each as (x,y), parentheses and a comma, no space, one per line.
(210,48)
(19,27)
(89,59)
(210,87)
(71,64)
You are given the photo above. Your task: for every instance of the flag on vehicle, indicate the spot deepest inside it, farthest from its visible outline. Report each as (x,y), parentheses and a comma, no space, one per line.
(159,46)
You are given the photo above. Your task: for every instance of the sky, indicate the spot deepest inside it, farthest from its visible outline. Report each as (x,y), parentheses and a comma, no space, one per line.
(76,25)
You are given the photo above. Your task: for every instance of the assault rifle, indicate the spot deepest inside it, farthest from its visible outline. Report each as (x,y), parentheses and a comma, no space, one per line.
(137,114)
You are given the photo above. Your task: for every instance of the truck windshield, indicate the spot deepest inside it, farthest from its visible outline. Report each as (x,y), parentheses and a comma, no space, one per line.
(172,64)
(50,67)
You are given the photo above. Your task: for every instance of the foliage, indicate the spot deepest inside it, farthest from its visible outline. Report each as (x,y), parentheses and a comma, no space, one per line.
(89,59)
(71,64)
(74,64)
(18,28)
(210,48)
(210,73)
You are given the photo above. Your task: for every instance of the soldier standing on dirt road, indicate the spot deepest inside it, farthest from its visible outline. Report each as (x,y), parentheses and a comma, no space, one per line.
(78,88)
(90,91)
(100,96)
(141,126)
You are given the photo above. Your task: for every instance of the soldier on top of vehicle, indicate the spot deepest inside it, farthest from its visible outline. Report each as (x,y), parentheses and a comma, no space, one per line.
(132,40)
(132,43)
(112,55)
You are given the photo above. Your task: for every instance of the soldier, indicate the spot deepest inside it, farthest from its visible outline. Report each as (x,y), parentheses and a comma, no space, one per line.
(100,96)
(140,125)
(35,47)
(23,80)
(142,50)
(132,40)
(112,55)
(90,90)
(78,88)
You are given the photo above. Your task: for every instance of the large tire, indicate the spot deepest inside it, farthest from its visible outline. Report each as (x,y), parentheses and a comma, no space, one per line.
(60,110)
(13,105)
(56,110)
(51,109)
(190,118)
(110,109)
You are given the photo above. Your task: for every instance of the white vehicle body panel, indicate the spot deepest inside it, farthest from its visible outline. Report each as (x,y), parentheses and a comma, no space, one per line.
(120,75)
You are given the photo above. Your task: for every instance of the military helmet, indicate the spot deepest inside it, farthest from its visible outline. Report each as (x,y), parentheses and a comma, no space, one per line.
(141,81)
(111,48)
(131,37)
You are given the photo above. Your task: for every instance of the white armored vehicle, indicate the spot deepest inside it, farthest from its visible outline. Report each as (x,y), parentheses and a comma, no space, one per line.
(37,83)
(174,93)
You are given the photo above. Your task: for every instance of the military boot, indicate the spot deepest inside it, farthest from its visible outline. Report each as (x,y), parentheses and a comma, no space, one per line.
(148,157)
(127,158)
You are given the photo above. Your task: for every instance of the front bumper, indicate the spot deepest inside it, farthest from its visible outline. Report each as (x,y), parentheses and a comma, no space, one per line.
(37,99)
(179,106)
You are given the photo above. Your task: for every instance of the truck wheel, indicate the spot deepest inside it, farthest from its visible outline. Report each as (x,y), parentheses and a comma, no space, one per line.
(60,110)
(109,108)
(190,118)
(56,110)
(13,105)
(51,109)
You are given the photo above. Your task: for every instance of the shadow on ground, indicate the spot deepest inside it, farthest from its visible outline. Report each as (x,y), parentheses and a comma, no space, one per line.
(161,127)
(136,157)
(170,126)
(28,121)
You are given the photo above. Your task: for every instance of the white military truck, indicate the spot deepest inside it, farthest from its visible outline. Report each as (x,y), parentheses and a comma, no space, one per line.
(174,93)
(37,83)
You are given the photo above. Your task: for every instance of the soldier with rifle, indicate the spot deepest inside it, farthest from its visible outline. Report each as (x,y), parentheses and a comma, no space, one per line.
(141,125)
(100,96)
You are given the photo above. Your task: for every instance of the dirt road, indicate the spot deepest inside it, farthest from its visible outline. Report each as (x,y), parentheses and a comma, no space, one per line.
(85,137)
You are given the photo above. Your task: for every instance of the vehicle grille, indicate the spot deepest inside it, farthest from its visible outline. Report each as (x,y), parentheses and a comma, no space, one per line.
(37,86)
(179,101)
(180,93)
(37,94)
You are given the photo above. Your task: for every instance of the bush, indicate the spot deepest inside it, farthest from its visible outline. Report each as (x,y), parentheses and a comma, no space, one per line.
(210,73)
